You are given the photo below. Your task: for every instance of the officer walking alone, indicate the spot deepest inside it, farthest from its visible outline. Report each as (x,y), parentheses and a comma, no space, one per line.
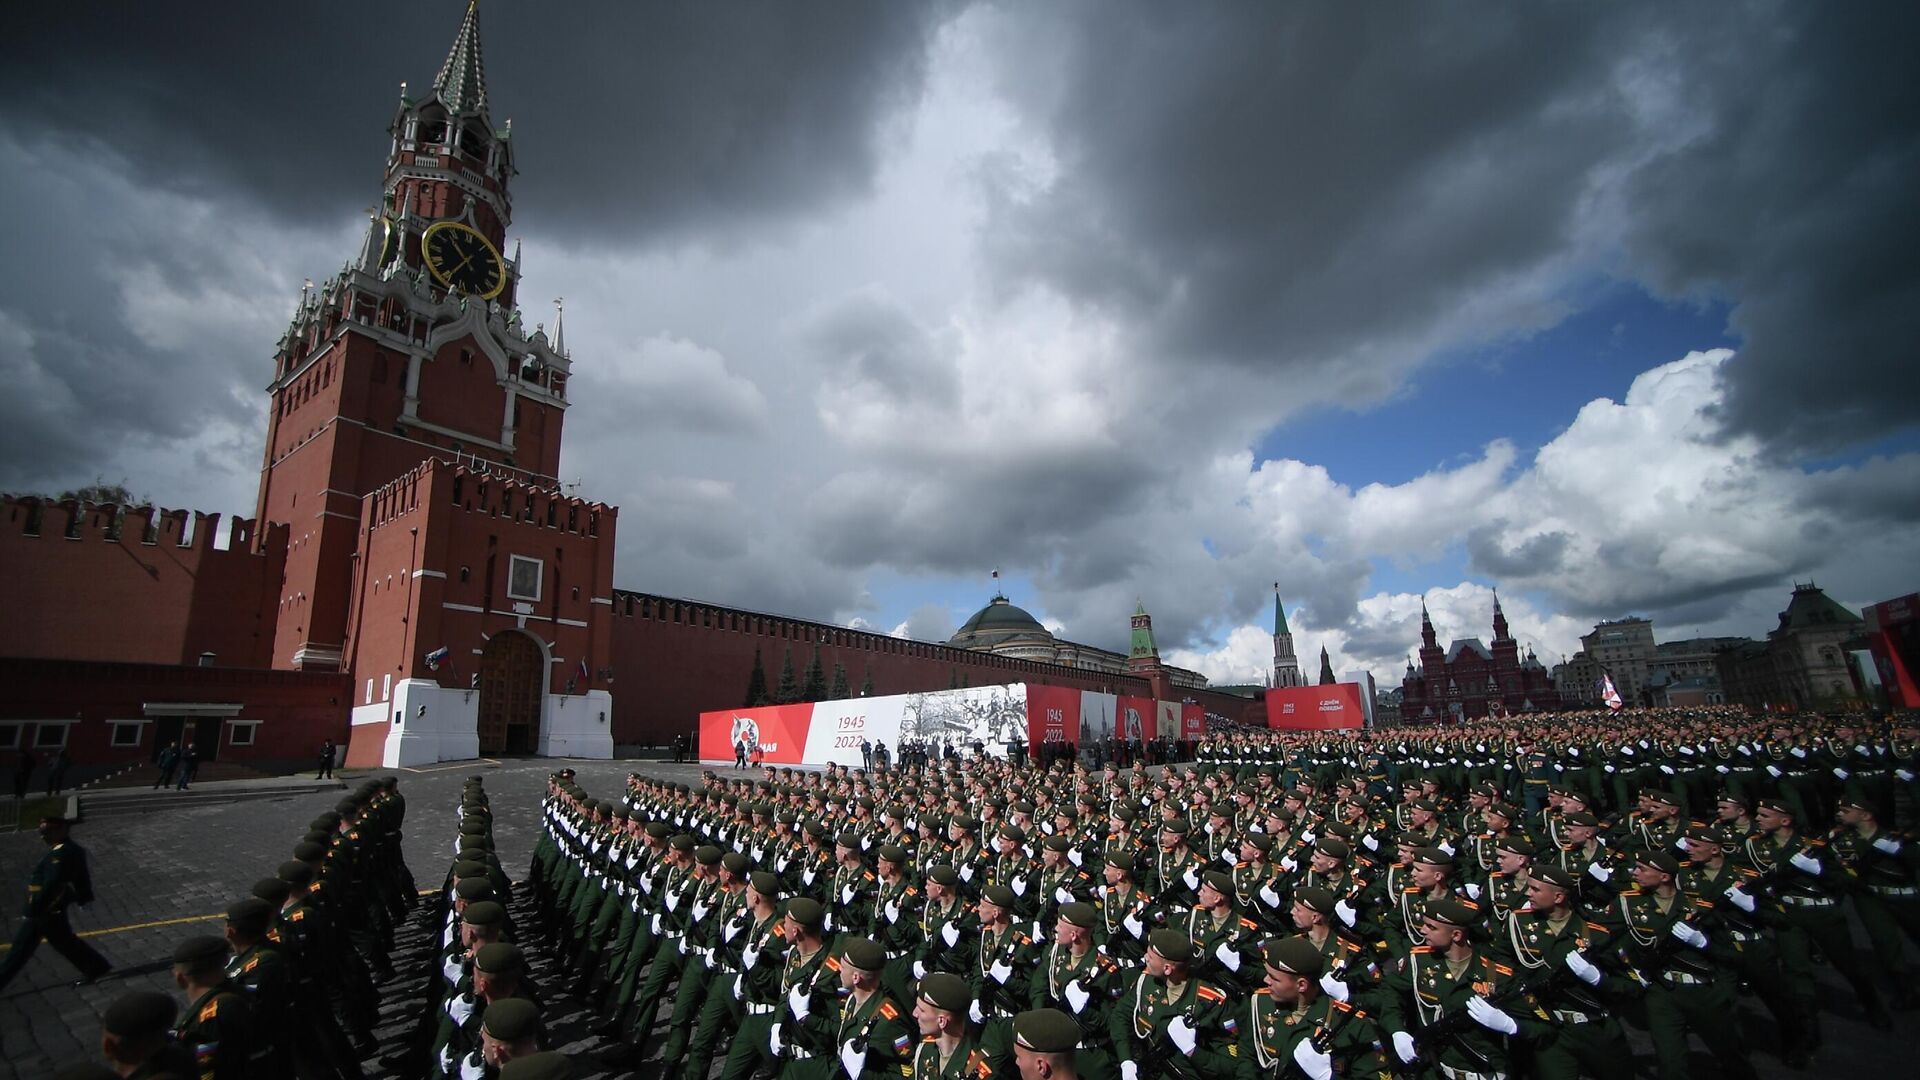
(60,879)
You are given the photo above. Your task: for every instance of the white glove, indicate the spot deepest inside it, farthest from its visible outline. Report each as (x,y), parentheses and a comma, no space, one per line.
(459,1007)
(1129,1071)
(1774,771)
(1798,751)
(807,877)
(974,1013)
(1333,987)
(950,934)
(1722,769)
(1668,769)
(1447,847)
(1062,895)
(1316,1065)
(1346,913)
(1039,935)
(1019,886)
(656,923)
(1403,1048)
(1805,863)
(1887,844)
(1610,769)
(919,969)
(1001,971)
(700,912)
(892,911)
(1133,925)
(1266,893)
(1488,1017)
(798,1003)
(1599,873)
(1905,775)
(1369,842)
(1473,890)
(1074,856)
(827,924)
(1680,844)
(1289,865)
(739,989)
(773,1040)
(1586,972)
(1741,900)
(1308,837)
(1840,774)
(1228,957)
(673,901)
(1192,879)
(966,874)
(1687,935)
(846,894)
(472,1068)
(1077,996)
(1183,1035)
(852,1060)
(750,957)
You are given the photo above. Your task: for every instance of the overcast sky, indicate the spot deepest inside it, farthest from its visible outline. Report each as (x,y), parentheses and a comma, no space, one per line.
(1611,307)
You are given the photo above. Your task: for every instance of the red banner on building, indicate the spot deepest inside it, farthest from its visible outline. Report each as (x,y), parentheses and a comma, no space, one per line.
(1053,714)
(1315,708)
(1135,718)
(780,731)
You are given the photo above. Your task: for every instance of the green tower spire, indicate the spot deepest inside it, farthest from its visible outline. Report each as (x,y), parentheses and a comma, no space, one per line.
(1143,646)
(1279,612)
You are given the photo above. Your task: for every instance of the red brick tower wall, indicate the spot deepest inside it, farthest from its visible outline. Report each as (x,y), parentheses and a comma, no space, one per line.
(159,592)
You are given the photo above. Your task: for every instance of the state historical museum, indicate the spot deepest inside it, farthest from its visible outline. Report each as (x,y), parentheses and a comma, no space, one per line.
(414,583)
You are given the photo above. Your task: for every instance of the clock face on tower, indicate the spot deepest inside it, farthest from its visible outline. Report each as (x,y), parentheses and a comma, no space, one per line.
(459,257)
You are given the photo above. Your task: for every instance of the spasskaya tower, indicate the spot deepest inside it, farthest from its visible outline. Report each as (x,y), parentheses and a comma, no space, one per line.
(415,350)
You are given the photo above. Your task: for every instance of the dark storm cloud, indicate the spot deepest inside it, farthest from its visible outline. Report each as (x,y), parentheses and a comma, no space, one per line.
(680,120)
(1320,188)
(1532,557)
(1281,183)
(1798,203)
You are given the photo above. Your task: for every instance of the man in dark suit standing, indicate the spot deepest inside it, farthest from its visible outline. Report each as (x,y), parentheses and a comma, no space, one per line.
(60,879)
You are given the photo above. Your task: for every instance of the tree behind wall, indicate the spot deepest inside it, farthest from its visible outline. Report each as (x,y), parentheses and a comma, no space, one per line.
(816,686)
(838,689)
(788,690)
(757,683)
(866,685)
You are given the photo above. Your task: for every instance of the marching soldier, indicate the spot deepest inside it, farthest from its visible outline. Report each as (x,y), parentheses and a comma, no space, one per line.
(1166,1025)
(217,1027)
(1291,1029)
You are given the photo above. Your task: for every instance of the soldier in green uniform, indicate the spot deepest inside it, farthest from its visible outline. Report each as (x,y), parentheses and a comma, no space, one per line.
(1003,955)
(59,881)
(509,1030)
(1043,1046)
(862,1034)
(1434,1002)
(217,1028)
(949,1047)
(1885,891)
(1076,978)
(1548,943)
(1687,989)
(258,969)
(1168,1026)
(1289,1028)
(1808,887)
(137,1040)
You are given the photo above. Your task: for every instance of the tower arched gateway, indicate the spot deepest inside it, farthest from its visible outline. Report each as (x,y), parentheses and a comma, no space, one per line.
(512,678)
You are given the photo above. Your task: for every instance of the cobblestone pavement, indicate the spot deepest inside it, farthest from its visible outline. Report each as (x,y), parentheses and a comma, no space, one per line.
(179,868)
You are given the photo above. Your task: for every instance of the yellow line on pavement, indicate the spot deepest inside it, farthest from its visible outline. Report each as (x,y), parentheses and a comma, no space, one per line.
(4,946)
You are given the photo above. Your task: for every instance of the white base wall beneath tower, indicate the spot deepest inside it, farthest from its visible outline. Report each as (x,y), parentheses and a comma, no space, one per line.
(577,725)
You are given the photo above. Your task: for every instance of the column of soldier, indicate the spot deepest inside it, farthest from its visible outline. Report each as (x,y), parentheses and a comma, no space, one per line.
(1482,901)
(289,982)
